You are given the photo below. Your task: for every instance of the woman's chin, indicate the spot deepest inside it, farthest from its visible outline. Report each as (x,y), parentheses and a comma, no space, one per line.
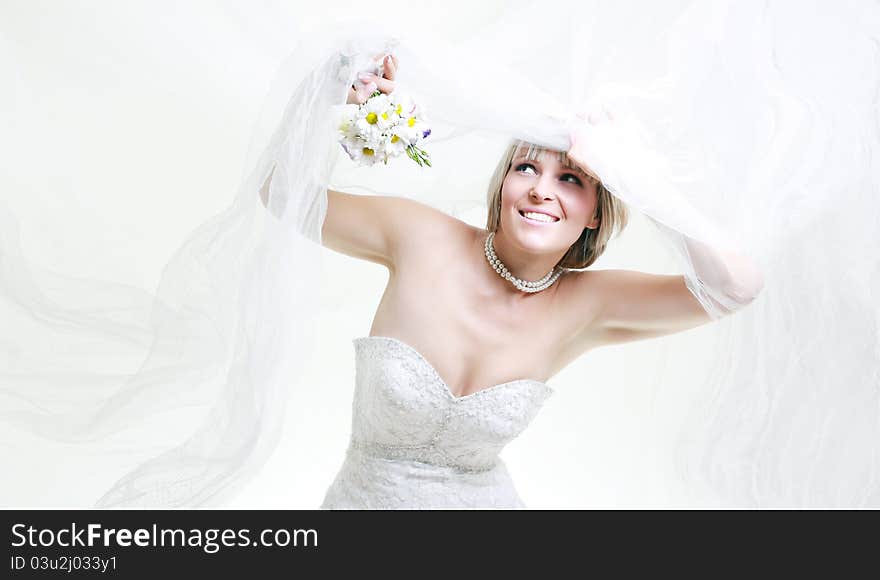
(534,242)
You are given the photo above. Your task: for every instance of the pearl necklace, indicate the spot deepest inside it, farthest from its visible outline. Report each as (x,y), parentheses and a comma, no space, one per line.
(524,285)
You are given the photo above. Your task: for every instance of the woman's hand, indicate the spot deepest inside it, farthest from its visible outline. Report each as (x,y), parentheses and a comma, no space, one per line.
(366,83)
(579,138)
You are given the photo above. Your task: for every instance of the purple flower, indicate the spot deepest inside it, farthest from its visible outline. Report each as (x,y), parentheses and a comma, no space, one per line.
(426,133)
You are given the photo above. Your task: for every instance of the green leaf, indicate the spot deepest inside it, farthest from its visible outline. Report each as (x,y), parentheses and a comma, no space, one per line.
(420,156)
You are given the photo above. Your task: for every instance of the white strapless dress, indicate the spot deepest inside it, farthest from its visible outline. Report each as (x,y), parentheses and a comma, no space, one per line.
(416,445)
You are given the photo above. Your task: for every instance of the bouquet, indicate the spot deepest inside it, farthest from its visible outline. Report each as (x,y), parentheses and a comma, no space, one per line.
(383,127)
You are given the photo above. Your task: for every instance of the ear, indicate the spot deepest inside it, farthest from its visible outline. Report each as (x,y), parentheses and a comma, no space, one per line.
(594,224)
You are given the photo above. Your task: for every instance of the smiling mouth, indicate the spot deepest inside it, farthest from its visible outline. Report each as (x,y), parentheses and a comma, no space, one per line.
(543,220)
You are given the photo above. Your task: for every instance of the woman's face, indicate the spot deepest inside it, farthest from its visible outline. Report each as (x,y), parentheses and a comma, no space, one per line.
(546,185)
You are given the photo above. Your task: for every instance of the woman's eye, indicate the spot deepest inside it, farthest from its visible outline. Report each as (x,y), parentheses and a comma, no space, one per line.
(524,166)
(573,178)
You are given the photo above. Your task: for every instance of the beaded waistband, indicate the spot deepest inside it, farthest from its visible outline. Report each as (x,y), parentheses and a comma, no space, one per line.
(429,454)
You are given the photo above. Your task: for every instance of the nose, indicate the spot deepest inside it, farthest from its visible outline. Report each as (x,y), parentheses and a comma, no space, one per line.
(543,187)
(542,191)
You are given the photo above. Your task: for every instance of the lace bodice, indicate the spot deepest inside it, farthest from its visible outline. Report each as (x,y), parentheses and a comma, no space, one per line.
(416,445)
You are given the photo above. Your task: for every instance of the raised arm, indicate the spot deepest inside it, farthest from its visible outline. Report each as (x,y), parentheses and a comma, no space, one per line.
(375,228)
(719,279)
(359,92)
(372,227)
(637,305)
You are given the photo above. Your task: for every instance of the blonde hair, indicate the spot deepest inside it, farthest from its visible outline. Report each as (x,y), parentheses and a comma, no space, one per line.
(611,212)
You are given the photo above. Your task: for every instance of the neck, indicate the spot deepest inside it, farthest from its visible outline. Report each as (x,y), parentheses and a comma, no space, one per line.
(521,263)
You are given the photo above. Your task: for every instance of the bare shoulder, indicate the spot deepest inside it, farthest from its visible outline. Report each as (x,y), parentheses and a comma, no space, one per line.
(428,231)
(582,294)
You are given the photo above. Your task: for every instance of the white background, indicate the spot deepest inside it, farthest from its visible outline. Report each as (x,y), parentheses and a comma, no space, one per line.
(120,114)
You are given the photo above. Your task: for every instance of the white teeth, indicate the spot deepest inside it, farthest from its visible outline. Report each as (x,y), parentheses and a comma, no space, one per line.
(541,217)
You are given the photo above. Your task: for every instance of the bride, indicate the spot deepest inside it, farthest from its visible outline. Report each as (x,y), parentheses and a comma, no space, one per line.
(720,133)
(474,321)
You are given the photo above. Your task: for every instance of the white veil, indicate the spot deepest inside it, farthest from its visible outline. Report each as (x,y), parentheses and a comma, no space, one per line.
(751,123)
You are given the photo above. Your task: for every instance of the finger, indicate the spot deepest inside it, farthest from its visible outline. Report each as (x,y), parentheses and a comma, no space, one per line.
(361,89)
(390,67)
(359,92)
(365,90)
(379,62)
(365,78)
(384,85)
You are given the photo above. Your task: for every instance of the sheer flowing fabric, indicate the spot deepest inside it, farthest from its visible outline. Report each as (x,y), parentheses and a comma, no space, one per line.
(748,133)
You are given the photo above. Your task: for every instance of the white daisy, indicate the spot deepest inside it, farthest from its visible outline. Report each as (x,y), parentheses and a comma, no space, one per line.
(383,127)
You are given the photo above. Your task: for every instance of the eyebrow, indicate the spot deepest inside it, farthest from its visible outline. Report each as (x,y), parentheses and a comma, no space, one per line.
(566,162)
